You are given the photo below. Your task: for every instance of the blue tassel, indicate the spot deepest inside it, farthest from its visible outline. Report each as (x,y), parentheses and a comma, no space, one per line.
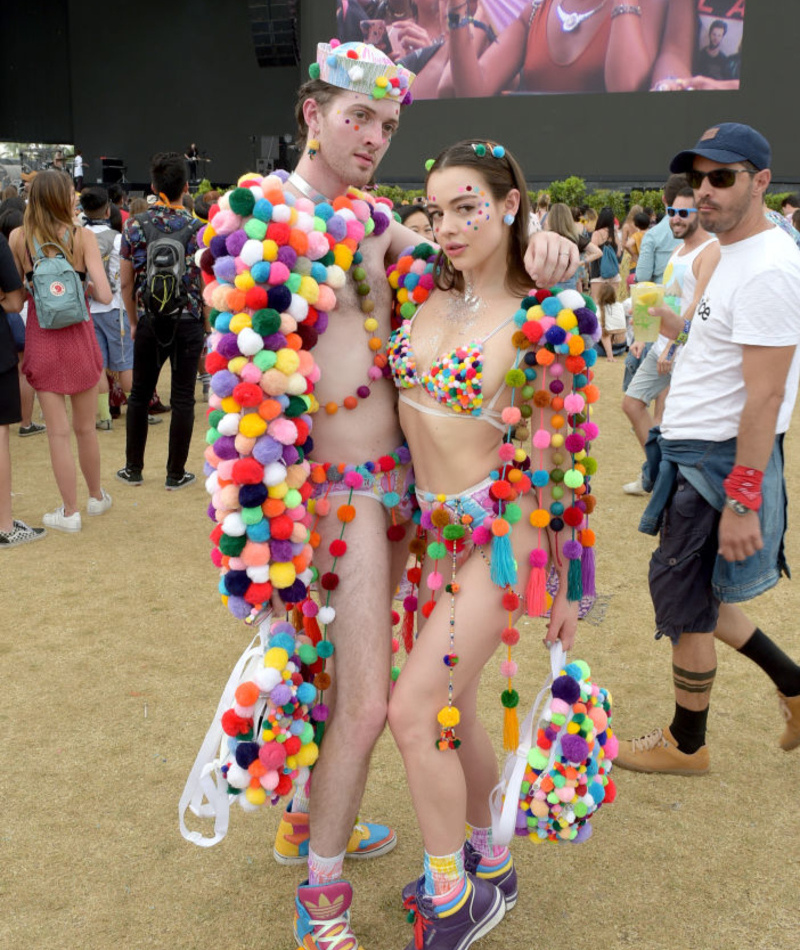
(504,567)
(574,581)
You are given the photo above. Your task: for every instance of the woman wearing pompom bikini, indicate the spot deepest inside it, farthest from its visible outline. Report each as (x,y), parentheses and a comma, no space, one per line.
(466,363)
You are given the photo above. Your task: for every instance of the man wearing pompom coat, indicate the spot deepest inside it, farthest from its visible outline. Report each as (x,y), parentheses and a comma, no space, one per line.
(344,133)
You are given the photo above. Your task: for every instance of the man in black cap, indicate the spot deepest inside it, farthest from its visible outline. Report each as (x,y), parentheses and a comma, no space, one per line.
(719,497)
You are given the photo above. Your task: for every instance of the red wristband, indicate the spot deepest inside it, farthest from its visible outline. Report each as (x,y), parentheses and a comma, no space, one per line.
(744,485)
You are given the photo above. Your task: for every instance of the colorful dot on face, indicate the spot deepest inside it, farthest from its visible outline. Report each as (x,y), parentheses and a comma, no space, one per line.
(356,127)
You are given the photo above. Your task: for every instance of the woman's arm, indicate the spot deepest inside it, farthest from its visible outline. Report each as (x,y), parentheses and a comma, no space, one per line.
(474,77)
(674,62)
(633,45)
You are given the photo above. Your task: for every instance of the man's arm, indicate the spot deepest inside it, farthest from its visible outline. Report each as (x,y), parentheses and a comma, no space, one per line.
(126,286)
(703,267)
(764,369)
(645,266)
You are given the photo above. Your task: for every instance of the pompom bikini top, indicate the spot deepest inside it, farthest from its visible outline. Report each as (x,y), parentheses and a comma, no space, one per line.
(455,379)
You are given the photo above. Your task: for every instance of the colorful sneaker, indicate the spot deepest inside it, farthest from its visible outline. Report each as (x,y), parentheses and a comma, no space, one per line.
(62,522)
(368,839)
(98,506)
(322,917)
(790,710)
(21,533)
(173,484)
(481,910)
(33,429)
(504,878)
(658,752)
(129,476)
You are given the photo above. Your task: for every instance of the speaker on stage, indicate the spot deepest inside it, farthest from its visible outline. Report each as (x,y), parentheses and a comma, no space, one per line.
(113,170)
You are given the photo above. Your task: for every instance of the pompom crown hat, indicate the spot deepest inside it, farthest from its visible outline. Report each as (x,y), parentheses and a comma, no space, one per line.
(362,68)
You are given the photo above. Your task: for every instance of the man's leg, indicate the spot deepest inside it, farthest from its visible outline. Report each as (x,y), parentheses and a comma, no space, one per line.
(184,356)
(639,417)
(739,632)
(361,634)
(148,358)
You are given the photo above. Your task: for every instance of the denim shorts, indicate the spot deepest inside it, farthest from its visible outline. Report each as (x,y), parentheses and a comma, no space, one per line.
(113,334)
(689,580)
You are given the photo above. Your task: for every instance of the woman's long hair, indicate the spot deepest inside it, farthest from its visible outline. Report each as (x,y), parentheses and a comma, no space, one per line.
(501,176)
(606,296)
(50,210)
(560,221)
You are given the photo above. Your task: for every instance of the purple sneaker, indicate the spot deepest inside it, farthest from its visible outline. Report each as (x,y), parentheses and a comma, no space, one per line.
(482,910)
(322,917)
(505,877)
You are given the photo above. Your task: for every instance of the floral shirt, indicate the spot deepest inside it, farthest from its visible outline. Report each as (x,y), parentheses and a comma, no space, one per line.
(134,249)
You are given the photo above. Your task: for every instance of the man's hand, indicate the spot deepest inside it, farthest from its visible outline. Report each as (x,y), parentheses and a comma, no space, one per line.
(665,364)
(637,348)
(671,322)
(739,535)
(550,258)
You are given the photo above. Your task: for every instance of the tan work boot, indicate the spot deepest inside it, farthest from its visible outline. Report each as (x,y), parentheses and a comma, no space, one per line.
(658,752)
(790,710)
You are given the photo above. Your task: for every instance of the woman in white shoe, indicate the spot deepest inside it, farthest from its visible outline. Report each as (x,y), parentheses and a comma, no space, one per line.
(67,361)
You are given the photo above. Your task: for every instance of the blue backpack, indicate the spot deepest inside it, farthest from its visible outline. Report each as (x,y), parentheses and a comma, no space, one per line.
(609,265)
(57,289)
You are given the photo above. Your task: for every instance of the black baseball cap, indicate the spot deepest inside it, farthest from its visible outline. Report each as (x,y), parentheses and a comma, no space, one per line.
(726,143)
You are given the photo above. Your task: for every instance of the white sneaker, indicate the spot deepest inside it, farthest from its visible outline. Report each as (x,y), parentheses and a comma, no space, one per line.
(61,522)
(97,506)
(634,488)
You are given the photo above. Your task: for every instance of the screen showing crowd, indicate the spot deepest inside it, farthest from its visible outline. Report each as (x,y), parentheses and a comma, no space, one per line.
(472,48)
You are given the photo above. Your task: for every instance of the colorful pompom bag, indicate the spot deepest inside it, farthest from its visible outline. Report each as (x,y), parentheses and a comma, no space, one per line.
(262,740)
(559,775)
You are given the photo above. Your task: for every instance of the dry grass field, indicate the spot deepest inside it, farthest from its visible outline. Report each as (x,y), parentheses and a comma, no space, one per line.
(115,648)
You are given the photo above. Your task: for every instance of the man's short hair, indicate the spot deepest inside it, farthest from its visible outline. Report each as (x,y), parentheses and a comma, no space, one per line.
(94,198)
(685,192)
(168,174)
(323,94)
(791,200)
(116,193)
(642,220)
(718,25)
(673,185)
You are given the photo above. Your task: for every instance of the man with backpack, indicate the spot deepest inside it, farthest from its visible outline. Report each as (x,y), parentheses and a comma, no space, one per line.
(161,291)
(110,325)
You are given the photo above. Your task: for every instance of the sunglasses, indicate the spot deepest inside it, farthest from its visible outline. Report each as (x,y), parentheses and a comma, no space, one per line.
(681,212)
(717,177)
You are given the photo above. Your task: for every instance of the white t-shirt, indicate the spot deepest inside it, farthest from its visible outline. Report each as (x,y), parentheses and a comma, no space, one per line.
(751,299)
(77,167)
(679,281)
(614,317)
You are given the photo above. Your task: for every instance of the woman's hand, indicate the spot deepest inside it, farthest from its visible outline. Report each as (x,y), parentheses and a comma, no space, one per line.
(563,623)
(411,35)
(550,258)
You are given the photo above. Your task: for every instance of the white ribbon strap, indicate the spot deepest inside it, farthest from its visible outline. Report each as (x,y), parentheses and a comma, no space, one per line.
(206,790)
(504,800)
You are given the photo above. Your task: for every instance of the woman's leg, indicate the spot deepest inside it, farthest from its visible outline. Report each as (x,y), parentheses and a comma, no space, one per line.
(438,779)
(26,394)
(54,407)
(83,412)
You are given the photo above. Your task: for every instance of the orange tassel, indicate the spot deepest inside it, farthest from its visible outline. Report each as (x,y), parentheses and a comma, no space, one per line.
(407,630)
(510,729)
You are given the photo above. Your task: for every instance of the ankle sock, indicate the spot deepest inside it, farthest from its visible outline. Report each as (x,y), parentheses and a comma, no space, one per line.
(689,728)
(103,409)
(443,873)
(324,870)
(780,668)
(481,841)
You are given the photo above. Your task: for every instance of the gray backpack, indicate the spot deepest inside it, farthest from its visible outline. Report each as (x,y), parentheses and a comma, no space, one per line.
(163,293)
(105,243)
(57,289)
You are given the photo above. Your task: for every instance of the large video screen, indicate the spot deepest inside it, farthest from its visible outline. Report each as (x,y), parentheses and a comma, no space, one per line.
(477,48)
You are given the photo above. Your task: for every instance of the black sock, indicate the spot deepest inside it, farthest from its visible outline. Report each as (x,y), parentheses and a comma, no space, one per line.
(689,728)
(782,670)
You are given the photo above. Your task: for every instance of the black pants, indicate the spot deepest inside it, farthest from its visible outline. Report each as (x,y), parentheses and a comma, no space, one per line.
(151,348)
